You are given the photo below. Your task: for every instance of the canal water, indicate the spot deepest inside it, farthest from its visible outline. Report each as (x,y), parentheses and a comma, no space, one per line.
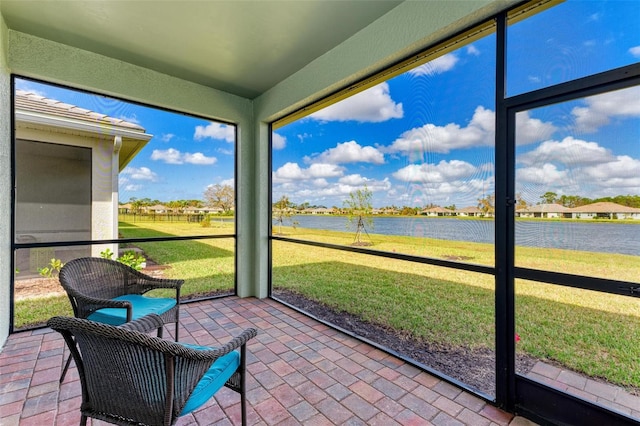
(623,238)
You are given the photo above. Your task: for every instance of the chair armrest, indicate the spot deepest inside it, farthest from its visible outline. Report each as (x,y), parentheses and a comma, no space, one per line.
(147,323)
(164,282)
(147,280)
(142,283)
(87,305)
(213,353)
(102,303)
(237,341)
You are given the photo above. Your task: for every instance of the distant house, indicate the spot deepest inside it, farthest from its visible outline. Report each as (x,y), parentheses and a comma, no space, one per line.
(469,211)
(67,164)
(605,210)
(551,210)
(156,209)
(125,208)
(437,211)
(318,210)
(202,210)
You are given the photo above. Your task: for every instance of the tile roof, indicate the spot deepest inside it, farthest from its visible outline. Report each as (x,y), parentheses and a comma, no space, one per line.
(28,101)
(605,207)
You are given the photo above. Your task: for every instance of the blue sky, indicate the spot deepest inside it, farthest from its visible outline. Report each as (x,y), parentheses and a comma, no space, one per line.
(184,156)
(425,136)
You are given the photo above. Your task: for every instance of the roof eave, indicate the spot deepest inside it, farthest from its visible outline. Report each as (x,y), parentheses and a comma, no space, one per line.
(84,126)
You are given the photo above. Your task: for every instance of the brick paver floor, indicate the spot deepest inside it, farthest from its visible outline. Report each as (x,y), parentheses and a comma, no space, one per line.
(610,396)
(300,372)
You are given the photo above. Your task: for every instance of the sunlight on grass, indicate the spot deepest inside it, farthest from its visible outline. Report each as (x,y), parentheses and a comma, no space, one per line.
(587,331)
(32,311)
(600,342)
(206,265)
(590,332)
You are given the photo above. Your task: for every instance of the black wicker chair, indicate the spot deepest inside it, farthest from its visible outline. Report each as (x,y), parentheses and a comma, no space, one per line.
(111,292)
(131,378)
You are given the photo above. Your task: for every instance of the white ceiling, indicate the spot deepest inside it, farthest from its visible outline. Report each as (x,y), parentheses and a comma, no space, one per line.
(241,47)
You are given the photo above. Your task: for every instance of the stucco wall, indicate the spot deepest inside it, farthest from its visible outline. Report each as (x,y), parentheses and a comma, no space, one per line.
(53,62)
(5,185)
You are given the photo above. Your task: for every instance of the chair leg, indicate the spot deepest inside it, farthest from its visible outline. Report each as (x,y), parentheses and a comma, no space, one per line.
(83,420)
(243,384)
(243,408)
(177,330)
(66,367)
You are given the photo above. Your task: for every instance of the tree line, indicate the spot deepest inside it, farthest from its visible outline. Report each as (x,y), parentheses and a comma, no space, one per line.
(577,200)
(223,198)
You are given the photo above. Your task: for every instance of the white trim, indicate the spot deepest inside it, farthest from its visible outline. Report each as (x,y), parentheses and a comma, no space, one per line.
(65,123)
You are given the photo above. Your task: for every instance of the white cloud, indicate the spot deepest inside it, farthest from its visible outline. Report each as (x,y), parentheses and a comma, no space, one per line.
(215,130)
(293,172)
(132,119)
(437,66)
(479,132)
(619,169)
(319,170)
(530,130)
(167,137)
(173,156)
(169,156)
(278,141)
(225,151)
(462,192)
(289,171)
(443,139)
(472,50)
(341,190)
(27,87)
(320,183)
(547,174)
(230,182)
(373,105)
(198,158)
(569,151)
(132,188)
(303,136)
(142,173)
(353,180)
(348,152)
(635,51)
(594,17)
(574,166)
(444,171)
(601,109)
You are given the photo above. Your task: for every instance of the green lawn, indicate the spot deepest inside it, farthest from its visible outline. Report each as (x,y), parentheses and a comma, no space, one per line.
(589,332)
(206,265)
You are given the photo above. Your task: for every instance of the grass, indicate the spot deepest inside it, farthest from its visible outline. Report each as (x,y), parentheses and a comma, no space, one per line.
(589,332)
(29,312)
(206,265)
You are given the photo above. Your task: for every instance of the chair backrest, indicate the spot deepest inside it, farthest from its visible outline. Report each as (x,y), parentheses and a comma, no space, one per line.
(99,278)
(94,277)
(128,377)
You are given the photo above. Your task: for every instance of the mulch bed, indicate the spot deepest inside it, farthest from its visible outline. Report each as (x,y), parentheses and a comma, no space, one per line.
(474,367)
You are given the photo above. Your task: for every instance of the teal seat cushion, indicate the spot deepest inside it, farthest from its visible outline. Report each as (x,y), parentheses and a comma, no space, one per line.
(217,375)
(142,305)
